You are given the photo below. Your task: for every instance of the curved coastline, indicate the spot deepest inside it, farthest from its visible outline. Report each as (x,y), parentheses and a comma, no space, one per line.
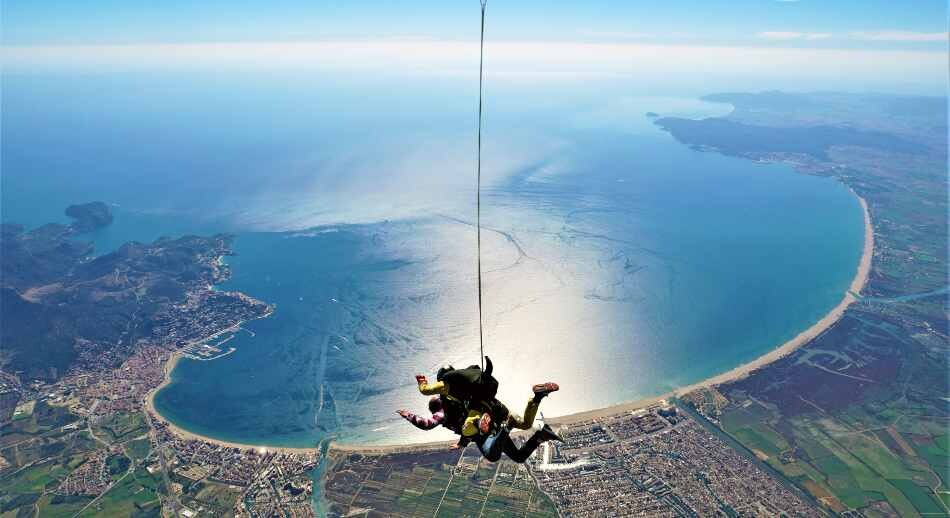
(739,372)
(191,436)
(831,318)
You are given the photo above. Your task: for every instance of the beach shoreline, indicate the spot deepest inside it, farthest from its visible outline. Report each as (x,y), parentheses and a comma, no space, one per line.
(169,366)
(186,435)
(744,370)
(831,318)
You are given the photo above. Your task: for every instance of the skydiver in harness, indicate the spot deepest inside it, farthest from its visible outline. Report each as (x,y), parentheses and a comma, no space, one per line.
(464,401)
(476,390)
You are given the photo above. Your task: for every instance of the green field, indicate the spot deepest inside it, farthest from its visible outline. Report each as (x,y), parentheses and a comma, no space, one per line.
(27,485)
(428,486)
(58,444)
(121,427)
(923,499)
(41,454)
(56,506)
(138,449)
(218,499)
(134,495)
(845,459)
(43,423)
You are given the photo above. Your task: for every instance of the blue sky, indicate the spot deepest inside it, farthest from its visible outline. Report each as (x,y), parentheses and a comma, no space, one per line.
(878,24)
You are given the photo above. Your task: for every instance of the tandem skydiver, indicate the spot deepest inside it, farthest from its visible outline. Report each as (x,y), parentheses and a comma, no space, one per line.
(476,390)
(492,440)
(466,404)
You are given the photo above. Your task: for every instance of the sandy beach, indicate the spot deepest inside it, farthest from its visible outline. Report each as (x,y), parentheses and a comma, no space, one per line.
(169,366)
(857,284)
(832,317)
(189,436)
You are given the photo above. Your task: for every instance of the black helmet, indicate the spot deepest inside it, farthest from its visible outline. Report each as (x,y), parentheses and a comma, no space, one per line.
(442,370)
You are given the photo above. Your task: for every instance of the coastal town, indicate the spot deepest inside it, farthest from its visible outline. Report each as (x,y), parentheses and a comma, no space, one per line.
(88,442)
(107,421)
(652,461)
(658,461)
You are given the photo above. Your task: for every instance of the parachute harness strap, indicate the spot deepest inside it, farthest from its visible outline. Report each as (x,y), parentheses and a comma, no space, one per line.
(478,190)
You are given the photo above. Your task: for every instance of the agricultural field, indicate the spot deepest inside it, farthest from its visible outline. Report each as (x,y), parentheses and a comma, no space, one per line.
(55,464)
(38,450)
(121,426)
(213,498)
(56,506)
(138,449)
(135,494)
(36,420)
(433,483)
(847,465)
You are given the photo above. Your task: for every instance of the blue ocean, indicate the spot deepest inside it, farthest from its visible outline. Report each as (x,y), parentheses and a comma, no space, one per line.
(617,262)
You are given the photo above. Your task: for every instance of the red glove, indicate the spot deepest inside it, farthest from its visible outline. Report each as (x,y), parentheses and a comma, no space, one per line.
(420,379)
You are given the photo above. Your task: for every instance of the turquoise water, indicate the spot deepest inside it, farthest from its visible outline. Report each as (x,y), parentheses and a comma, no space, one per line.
(617,262)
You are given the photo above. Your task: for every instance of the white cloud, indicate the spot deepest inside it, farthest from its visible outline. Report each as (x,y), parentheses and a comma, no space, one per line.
(617,35)
(898,36)
(597,35)
(718,67)
(794,35)
(888,35)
